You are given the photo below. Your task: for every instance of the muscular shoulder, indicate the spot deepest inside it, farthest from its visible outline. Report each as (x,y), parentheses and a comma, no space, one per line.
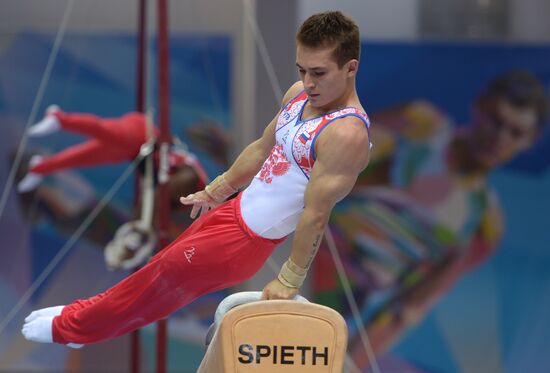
(292,92)
(349,130)
(346,137)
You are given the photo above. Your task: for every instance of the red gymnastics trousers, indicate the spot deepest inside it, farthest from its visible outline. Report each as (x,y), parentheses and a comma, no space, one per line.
(113,140)
(217,251)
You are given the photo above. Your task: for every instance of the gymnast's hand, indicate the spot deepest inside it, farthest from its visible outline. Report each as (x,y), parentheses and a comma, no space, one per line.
(201,201)
(276,290)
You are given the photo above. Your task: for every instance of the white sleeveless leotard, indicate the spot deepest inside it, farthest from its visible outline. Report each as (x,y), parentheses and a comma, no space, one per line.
(272,204)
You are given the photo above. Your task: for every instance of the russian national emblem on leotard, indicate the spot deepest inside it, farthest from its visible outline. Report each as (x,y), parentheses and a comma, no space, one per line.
(276,165)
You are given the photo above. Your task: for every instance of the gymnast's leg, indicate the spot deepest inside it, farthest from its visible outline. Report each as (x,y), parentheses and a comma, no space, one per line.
(194,264)
(127,130)
(115,140)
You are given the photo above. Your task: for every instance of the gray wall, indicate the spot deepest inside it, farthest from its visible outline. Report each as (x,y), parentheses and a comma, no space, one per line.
(401,19)
(377,19)
(530,20)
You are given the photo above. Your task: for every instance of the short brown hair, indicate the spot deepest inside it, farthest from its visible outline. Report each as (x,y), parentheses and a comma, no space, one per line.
(332,29)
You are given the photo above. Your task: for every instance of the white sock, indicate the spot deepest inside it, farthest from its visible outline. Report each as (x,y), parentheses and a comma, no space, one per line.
(39,330)
(29,182)
(31,179)
(52,109)
(49,124)
(35,159)
(50,311)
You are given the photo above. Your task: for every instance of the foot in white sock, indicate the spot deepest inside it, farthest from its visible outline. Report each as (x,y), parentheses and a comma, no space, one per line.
(29,182)
(49,124)
(35,159)
(31,179)
(40,329)
(52,109)
(50,311)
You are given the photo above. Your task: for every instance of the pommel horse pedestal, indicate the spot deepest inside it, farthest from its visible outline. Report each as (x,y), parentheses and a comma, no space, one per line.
(274,336)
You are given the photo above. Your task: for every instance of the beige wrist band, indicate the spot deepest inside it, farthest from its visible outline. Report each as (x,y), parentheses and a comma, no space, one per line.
(219,189)
(292,275)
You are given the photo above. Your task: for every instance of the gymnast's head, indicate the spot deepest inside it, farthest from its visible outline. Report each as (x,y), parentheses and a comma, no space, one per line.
(328,46)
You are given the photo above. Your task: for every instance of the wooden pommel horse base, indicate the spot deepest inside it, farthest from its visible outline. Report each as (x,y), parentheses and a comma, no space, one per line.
(275,336)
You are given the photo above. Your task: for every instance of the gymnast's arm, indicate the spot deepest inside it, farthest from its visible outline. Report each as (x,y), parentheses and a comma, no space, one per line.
(342,153)
(251,159)
(247,164)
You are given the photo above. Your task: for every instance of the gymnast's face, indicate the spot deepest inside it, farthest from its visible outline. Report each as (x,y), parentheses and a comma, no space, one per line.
(326,84)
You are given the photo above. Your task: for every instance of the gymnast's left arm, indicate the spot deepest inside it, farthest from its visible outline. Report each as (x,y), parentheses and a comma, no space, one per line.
(247,164)
(342,153)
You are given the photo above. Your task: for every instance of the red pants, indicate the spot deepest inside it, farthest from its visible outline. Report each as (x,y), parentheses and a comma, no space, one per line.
(114,140)
(217,251)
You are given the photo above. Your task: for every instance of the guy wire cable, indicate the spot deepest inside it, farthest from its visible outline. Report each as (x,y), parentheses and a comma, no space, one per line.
(36,104)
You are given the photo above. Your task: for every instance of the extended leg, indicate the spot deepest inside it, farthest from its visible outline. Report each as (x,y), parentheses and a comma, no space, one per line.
(214,253)
(90,153)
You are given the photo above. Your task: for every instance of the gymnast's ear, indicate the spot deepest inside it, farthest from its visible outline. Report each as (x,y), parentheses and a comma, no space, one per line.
(351,67)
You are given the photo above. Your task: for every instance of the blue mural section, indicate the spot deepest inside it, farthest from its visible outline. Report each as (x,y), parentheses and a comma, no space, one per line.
(492,319)
(449,75)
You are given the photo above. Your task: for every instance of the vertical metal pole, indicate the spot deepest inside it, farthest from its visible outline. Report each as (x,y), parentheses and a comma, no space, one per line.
(135,343)
(165,140)
(141,61)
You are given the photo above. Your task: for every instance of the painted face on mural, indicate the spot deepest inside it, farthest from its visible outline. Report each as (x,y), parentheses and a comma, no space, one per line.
(501,131)
(324,81)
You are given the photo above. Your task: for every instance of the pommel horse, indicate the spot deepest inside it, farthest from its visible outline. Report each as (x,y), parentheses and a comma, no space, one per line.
(249,335)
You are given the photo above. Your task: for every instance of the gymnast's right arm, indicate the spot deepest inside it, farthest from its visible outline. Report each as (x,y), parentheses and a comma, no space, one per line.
(240,174)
